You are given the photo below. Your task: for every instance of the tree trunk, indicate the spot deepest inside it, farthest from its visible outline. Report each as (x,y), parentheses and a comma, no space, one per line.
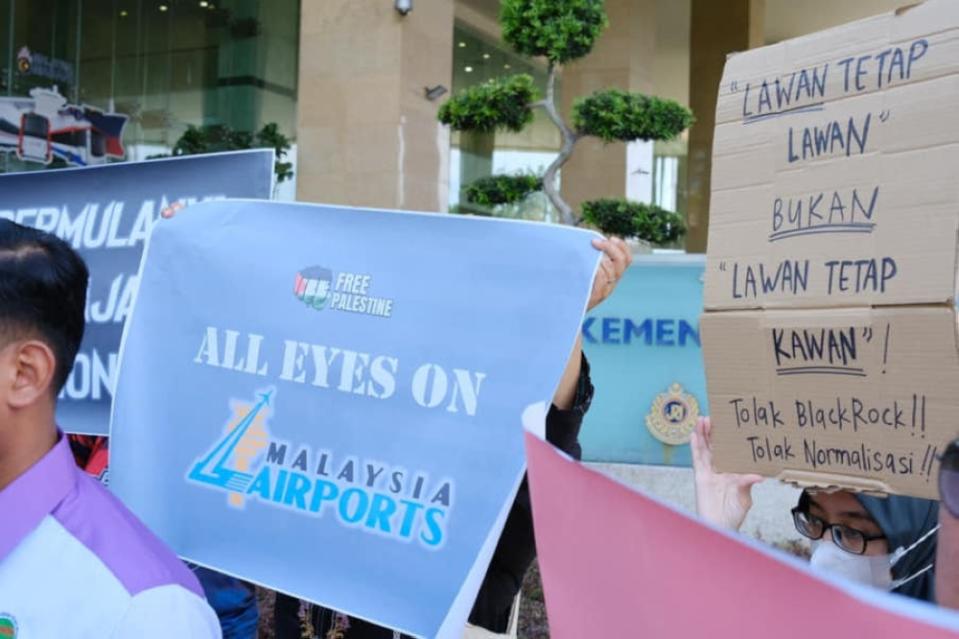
(566,215)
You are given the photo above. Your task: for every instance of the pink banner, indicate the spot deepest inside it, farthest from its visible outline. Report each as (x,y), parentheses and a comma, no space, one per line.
(616,563)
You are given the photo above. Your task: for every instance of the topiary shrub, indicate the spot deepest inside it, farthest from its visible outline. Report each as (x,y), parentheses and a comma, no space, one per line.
(563,31)
(627,219)
(502,189)
(559,30)
(613,115)
(496,104)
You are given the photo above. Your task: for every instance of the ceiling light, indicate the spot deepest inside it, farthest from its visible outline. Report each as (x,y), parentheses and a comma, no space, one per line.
(462,45)
(506,66)
(123,13)
(486,56)
(204,3)
(163,7)
(468,69)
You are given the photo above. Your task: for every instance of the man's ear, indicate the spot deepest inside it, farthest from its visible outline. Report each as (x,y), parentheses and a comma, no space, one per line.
(28,369)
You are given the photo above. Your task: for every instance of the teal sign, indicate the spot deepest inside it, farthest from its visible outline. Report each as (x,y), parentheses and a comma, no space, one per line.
(643,344)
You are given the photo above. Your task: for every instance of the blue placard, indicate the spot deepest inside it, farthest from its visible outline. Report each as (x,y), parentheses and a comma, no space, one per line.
(643,345)
(107,213)
(334,408)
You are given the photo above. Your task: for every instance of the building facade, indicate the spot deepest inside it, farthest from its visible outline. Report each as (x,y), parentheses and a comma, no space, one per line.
(356,85)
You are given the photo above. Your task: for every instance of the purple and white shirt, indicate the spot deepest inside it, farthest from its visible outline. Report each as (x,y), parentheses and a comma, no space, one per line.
(74,562)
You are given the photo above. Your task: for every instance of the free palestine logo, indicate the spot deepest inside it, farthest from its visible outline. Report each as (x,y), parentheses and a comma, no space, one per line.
(313,285)
(318,288)
(8,626)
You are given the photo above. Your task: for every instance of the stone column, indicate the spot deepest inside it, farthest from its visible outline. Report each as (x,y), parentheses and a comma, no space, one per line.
(366,133)
(622,58)
(717,29)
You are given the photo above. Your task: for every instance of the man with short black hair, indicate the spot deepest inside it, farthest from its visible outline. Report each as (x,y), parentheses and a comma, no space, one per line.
(73,561)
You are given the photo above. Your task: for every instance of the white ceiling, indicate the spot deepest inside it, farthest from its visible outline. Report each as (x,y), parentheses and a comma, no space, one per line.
(791,18)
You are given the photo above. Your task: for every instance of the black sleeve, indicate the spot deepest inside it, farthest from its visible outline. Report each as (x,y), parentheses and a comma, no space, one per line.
(517,548)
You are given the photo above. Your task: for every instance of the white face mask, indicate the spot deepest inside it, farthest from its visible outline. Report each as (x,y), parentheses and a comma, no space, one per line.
(871,570)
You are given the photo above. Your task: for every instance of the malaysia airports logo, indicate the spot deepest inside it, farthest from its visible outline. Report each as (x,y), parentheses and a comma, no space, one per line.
(319,288)
(249,464)
(229,463)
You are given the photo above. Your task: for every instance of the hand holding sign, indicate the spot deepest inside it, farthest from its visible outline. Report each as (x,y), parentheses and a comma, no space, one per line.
(723,499)
(616,260)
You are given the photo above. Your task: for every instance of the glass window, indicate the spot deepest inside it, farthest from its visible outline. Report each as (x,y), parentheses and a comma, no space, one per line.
(35,126)
(670,76)
(476,59)
(164,64)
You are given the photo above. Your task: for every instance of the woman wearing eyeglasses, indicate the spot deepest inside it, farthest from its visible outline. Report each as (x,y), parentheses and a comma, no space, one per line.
(886,542)
(947,557)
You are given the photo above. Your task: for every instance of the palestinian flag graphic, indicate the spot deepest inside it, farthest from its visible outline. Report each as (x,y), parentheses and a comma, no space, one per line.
(313,286)
(8,627)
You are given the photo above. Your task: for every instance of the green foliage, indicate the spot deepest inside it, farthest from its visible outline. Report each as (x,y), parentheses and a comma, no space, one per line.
(502,103)
(658,226)
(560,30)
(214,138)
(613,115)
(633,219)
(211,138)
(465,208)
(270,136)
(502,189)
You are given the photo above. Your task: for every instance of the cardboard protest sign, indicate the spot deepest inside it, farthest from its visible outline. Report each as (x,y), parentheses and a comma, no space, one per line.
(106,213)
(829,335)
(333,408)
(859,398)
(618,563)
(834,167)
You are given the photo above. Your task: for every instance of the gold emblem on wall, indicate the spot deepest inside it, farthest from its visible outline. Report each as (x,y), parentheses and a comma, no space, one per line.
(672,417)
(24,60)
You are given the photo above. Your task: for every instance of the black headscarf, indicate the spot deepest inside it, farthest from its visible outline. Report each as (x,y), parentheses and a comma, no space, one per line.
(904,520)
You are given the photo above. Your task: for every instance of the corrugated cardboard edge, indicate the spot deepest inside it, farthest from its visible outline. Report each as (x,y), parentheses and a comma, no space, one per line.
(830,482)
